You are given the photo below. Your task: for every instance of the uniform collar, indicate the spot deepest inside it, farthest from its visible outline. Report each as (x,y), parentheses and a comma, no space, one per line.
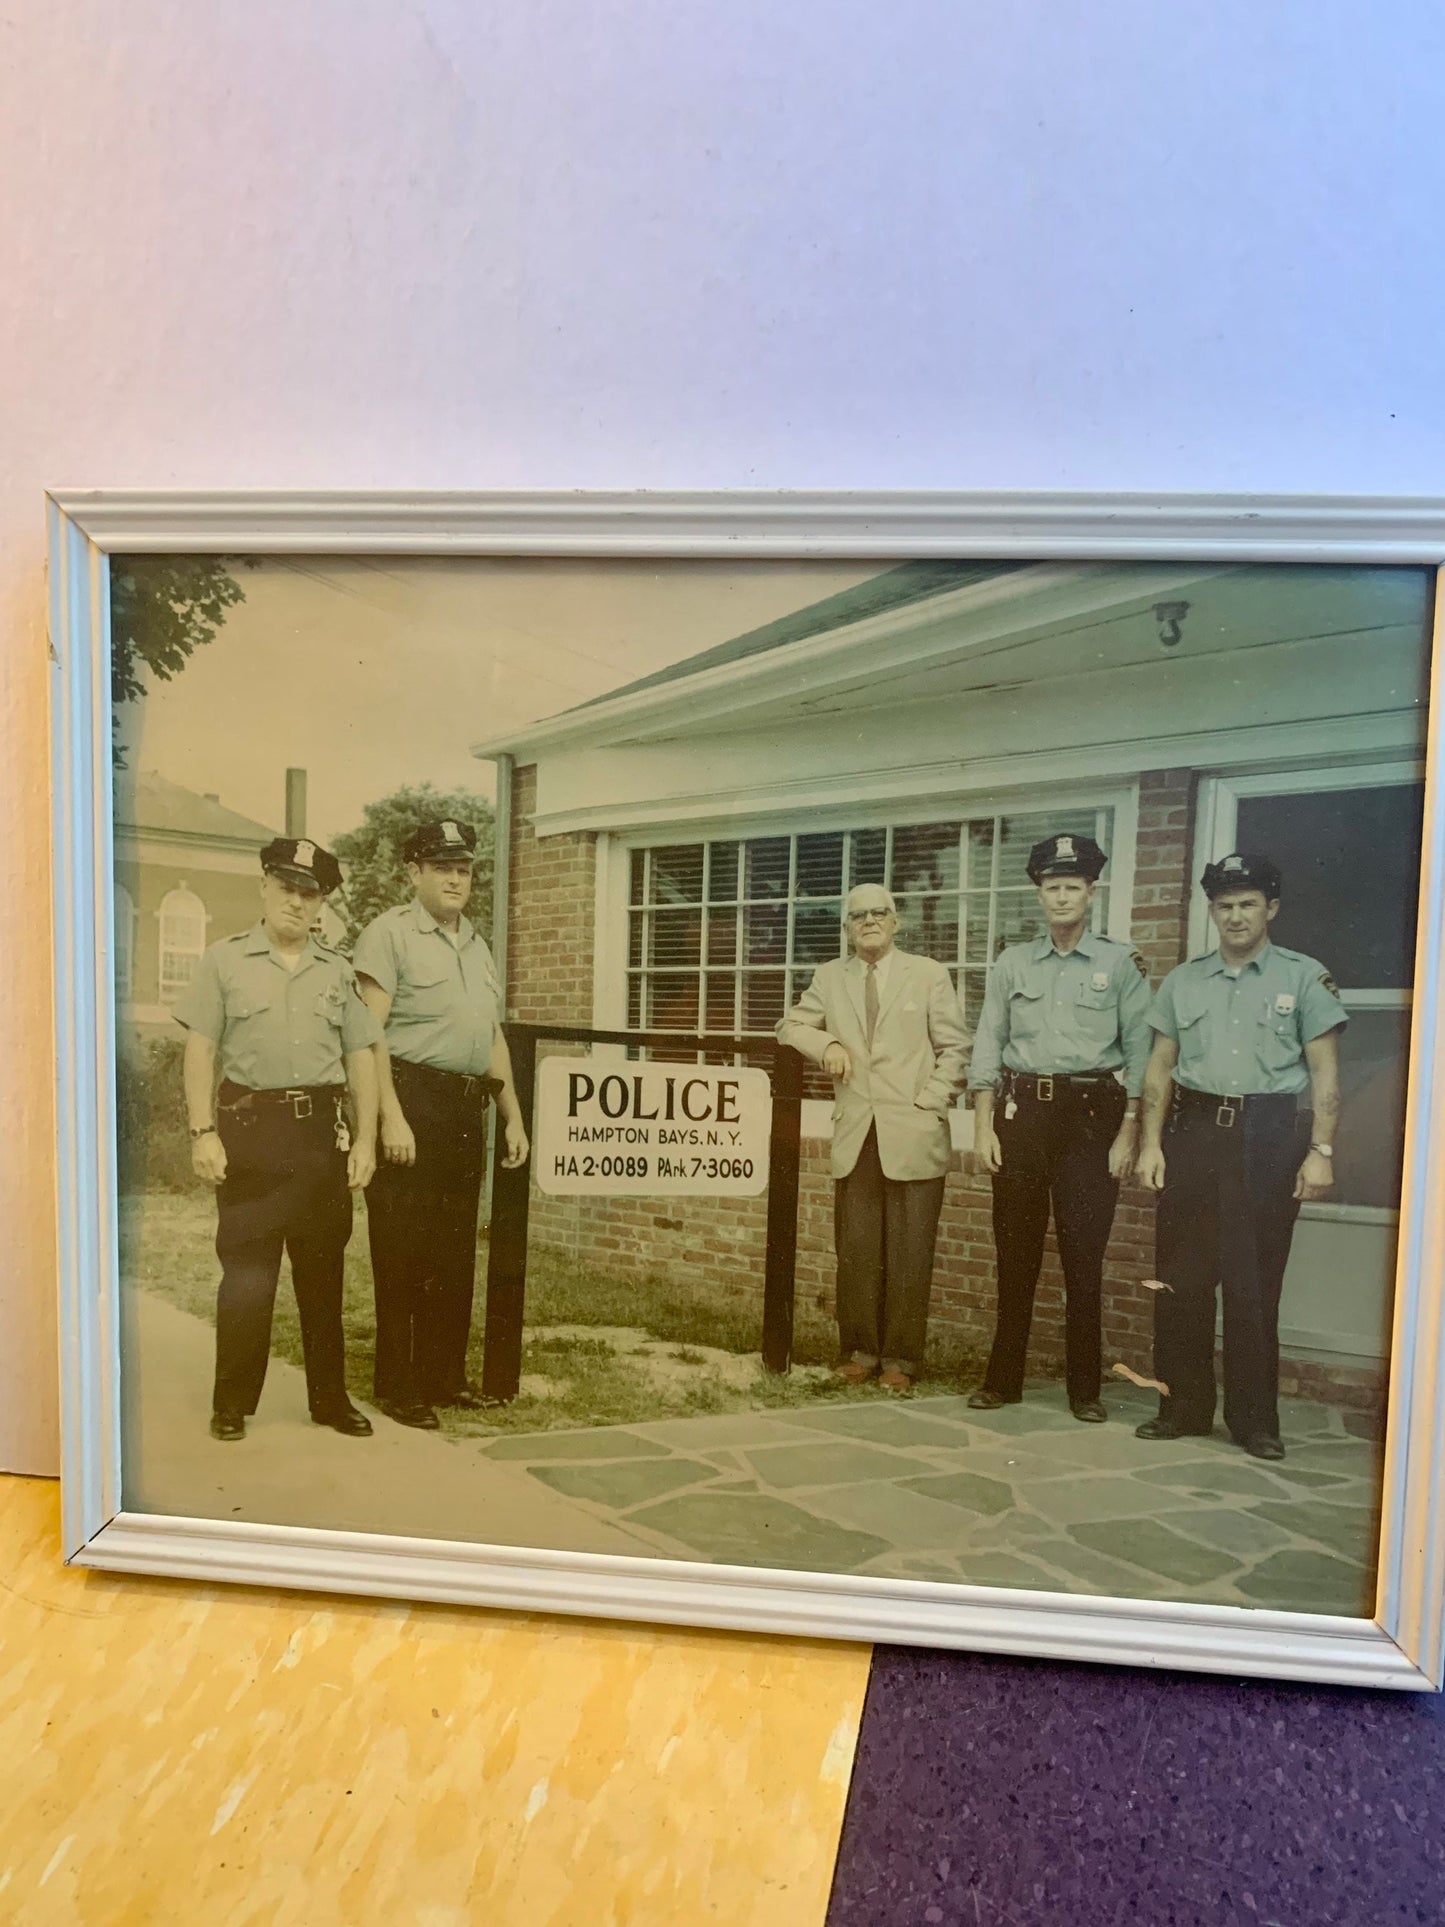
(258,944)
(1087,946)
(424,920)
(1214,963)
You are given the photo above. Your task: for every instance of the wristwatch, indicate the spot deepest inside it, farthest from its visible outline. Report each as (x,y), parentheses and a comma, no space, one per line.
(202,1130)
(1324,1150)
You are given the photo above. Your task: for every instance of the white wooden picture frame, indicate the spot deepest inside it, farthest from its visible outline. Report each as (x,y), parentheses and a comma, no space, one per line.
(1401,1646)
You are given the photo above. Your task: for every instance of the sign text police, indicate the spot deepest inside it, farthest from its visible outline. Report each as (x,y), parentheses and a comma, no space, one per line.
(638,1130)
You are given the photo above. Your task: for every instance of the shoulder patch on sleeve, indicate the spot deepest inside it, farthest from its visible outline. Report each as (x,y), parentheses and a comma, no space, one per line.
(1329,983)
(1139,964)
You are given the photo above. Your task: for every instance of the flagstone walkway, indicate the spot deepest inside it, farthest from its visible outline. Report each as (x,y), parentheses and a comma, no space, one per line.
(1025,1496)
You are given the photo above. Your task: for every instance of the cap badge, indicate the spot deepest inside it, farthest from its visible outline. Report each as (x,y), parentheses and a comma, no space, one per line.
(450,832)
(1284,1003)
(1064,846)
(305,854)
(1233,863)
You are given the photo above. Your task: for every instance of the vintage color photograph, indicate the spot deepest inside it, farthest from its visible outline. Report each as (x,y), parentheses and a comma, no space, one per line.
(890,1069)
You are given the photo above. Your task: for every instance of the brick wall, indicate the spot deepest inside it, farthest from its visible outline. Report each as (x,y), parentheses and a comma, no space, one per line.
(721,1241)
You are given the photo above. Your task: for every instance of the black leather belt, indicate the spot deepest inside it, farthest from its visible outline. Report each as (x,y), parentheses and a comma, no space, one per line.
(302,1099)
(1229,1107)
(1042,1088)
(463,1084)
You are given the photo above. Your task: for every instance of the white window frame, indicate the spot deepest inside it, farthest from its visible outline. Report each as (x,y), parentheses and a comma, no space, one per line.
(1216,823)
(169,907)
(614,858)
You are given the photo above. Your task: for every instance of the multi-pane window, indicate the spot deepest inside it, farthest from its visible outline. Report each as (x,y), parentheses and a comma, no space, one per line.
(183,940)
(1351,865)
(724,935)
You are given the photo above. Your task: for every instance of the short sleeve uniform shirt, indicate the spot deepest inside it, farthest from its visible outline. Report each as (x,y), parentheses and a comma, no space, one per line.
(277,1028)
(1057,1013)
(446,1001)
(1243,1033)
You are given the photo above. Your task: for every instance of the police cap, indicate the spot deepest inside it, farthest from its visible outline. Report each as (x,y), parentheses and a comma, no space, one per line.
(1241,870)
(298,856)
(1066,856)
(448,841)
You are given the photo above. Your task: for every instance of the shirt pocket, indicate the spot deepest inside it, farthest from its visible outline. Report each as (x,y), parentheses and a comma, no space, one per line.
(1026,1010)
(331,1005)
(1277,1039)
(430,992)
(1097,1014)
(243,1005)
(1193,1034)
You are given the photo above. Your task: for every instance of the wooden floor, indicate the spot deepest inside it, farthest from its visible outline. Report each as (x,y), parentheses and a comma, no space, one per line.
(171,1753)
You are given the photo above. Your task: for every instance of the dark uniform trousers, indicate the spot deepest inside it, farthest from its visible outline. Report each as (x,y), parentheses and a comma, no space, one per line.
(285,1190)
(883,1232)
(1226,1218)
(422,1223)
(1055,1155)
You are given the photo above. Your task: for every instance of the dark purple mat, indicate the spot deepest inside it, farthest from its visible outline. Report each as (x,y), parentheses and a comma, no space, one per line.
(993,1791)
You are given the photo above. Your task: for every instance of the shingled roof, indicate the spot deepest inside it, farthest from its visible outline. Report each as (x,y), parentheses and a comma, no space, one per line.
(893,589)
(150,801)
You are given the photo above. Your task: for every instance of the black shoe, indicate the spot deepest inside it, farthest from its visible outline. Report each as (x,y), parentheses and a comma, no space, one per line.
(1262,1447)
(227,1425)
(1090,1410)
(983,1400)
(1168,1428)
(417,1414)
(344,1419)
(464,1399)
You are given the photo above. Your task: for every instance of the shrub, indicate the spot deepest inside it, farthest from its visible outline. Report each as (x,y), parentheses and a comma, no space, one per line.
(153,1143)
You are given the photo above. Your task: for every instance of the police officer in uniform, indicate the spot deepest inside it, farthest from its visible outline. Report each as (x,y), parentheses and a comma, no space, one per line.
(1058,1062)
(1240,1035)
(428,977)
(282,1013)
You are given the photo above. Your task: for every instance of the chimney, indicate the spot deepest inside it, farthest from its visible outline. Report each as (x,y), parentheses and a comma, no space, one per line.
(295,802)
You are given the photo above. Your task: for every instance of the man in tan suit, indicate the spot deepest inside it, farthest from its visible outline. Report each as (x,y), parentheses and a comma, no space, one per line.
(889,1030)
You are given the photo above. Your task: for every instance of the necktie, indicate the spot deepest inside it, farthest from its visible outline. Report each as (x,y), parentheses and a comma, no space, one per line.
(870,1003)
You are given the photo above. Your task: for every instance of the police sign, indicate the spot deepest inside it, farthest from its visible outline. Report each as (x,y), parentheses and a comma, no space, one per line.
(650,1130)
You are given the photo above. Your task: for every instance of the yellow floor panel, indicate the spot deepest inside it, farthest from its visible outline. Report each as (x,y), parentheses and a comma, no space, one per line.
(171,1752)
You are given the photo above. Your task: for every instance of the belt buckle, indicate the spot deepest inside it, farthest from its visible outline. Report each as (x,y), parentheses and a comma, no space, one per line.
(1044,1089)
(300,1102)
(1227,1112)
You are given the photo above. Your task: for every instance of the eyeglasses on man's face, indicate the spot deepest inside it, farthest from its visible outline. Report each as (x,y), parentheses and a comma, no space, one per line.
(880,914)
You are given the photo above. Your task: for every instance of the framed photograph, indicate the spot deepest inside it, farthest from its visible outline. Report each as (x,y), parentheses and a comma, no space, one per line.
(860,1066)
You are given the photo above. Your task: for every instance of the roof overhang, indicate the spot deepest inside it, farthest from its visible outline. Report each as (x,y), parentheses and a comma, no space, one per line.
(975,637)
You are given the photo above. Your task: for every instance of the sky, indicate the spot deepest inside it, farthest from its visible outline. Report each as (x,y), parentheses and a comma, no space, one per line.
(372,672)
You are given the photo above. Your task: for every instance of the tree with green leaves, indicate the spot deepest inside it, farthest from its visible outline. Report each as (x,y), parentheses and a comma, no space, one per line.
(376,877)
(162,609)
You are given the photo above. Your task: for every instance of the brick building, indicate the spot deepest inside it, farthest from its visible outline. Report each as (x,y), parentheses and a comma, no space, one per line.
(186,873)
(679,851)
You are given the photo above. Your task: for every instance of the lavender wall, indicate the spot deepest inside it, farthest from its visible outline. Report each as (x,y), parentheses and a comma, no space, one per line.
(674,242)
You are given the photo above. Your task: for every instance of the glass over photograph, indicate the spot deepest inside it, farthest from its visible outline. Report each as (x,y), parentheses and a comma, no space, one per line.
(880,1069)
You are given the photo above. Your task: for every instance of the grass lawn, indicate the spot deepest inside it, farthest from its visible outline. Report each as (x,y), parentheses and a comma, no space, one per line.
(601,1348)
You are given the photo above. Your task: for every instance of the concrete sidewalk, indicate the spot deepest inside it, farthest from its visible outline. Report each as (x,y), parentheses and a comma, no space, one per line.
(287,1471)
(926,1488)
(919,1488)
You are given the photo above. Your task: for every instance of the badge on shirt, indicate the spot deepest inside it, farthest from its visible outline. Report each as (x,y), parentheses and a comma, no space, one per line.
(1284,1003)
(1099,980)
